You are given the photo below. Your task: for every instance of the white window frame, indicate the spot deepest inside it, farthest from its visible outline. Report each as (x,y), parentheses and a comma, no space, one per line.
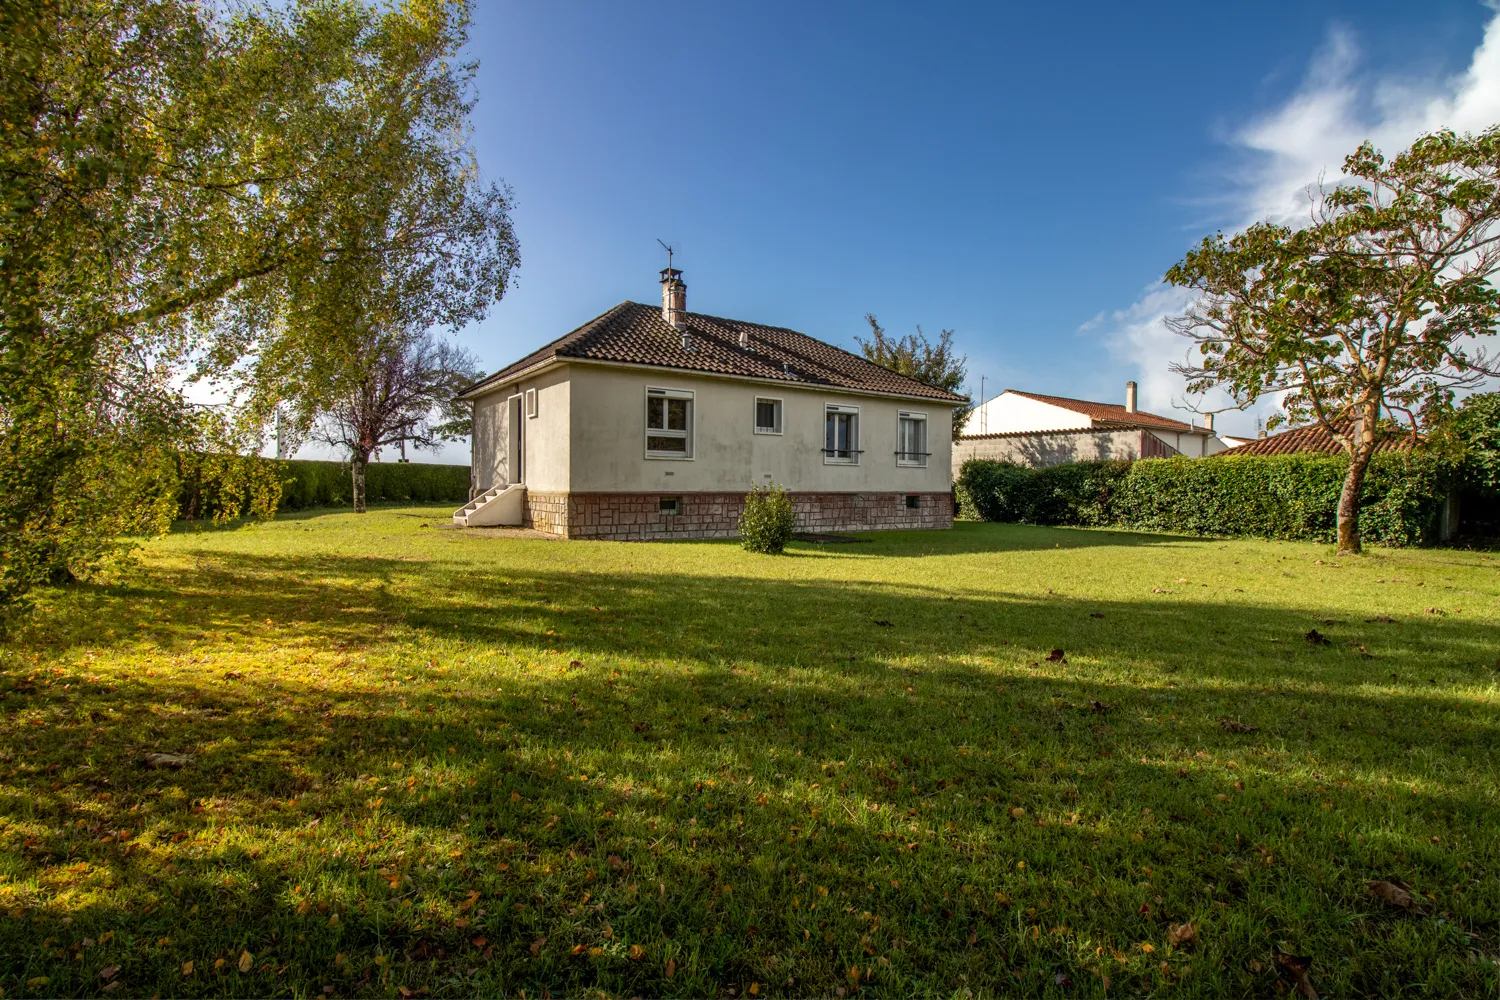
(904,459)
(780,415)
(531,404)
(854,452)
(656,391)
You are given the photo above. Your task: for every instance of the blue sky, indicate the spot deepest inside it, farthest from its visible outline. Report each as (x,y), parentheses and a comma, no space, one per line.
(1020,174)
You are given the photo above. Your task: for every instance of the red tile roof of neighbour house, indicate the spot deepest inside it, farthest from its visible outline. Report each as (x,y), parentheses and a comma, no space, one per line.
(1313,438)
(1108,413)
(635,333)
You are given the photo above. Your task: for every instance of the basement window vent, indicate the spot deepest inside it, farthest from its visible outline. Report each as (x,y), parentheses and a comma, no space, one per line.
(913,500)
(670,505)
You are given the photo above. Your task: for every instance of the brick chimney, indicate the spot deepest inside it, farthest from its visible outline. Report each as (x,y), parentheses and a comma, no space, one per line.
(673,298)
(1129,397)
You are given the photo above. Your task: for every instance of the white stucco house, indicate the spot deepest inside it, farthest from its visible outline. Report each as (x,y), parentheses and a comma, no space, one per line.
(1029,428)
(654,422)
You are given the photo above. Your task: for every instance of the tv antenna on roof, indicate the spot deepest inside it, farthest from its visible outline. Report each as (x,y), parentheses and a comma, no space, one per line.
(670,249)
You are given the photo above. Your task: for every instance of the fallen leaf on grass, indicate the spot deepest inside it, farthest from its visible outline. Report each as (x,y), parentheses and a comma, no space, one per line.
(1099,706)
(1056,656)
(1386,619)
(1235,726)
(575,664)
(1316,638)
(671,967)
(636,953)
(1393,891)
(1296,968)
(1096,614)
(1159,590)
(232,676)
(172,761)
(536,946)
(187,968)
(883,622)
(1180,935)
(246,961)
(109,972)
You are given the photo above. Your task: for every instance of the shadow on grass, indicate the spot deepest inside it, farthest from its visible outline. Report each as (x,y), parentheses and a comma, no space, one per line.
(688,763)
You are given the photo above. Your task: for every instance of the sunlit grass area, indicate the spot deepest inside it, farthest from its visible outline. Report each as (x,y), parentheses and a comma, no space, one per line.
(1009,760)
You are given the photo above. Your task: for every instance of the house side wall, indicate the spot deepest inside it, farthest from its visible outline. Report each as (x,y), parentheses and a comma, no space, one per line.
(609,439)
(1042,449)
(1191,445)
(1009,412)
(547,438)
(639,517)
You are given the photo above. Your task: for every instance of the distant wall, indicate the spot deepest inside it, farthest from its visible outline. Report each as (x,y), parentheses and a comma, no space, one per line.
(1044,449)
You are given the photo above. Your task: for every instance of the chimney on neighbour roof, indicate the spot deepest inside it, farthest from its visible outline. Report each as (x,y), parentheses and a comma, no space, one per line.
(1129,397)
(673,297)
(745,339)
(1208,421)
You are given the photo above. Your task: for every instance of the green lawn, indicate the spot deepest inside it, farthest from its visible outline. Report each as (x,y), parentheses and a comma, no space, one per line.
(420,759)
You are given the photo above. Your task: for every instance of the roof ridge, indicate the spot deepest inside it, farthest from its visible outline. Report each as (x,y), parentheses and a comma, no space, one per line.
(1090,402)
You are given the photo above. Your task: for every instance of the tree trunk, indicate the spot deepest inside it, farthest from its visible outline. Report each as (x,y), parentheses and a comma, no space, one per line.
(1354,483)
(357,463)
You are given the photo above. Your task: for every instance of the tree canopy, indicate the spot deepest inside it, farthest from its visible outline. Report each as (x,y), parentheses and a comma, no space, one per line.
(915,356)
(187,194)
(1375,311)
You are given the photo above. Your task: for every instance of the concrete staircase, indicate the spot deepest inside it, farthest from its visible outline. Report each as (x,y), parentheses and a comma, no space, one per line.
(501,505)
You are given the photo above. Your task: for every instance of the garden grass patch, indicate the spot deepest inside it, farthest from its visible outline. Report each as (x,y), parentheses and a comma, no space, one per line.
(370,755)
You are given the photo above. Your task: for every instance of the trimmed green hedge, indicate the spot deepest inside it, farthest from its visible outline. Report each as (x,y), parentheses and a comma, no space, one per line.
(1284,496)
(306,484)
(328,484)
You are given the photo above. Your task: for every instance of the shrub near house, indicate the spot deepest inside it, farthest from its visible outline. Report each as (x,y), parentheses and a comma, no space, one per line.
(1284,497)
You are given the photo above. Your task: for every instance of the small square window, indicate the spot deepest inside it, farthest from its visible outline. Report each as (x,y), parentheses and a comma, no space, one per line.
(913,500)
(669,423)
(767,415)
(531,402)
(670,505)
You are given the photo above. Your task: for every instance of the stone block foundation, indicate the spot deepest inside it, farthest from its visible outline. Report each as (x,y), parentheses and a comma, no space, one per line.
(639,516)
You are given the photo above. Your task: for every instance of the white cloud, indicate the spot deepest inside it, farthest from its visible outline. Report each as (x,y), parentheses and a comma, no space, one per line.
(1289,149)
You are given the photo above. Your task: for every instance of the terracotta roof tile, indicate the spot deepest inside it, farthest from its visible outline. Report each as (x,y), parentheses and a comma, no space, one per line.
(1107,412)
(1311,439)
(635,333)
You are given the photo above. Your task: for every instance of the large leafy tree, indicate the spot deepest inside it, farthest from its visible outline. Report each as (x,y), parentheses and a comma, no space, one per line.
(1372,314)
(180,196)
(915,356)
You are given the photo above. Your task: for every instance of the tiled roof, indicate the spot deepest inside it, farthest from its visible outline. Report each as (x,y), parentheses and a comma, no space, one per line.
(635,333)
(1110,413)
(1312,438)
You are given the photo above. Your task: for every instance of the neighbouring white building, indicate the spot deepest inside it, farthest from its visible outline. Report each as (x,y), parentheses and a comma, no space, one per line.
(1028,428)
(651,422)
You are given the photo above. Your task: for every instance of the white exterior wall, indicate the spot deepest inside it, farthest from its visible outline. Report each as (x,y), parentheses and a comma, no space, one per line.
(1193,445)
(1012,412)
(609,438)
(1045,449)
(547,437)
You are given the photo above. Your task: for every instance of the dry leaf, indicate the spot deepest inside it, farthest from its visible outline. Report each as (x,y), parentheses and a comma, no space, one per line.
(171,761)
(1099,706)
(578,949)
(1235,726)
(1296,968)
(1061,979)
(1056,656)
(109,972)
(1393,891)
(536,946)
(636,953)
(883,622)
(187,968)
(1018,812)
(1316,638)
(246,961)
(671,967)
(1179,935)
